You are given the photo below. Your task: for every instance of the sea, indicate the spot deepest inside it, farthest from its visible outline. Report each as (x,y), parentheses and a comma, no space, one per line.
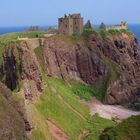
(135,28)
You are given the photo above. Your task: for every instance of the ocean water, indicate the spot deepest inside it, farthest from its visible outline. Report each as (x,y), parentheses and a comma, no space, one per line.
(3,30)
(136,30)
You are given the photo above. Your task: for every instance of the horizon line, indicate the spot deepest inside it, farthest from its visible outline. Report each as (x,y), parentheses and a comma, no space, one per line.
(3,26)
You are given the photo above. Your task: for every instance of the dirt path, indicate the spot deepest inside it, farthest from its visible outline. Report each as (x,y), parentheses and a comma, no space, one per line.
(56,132)
(109,111)
(68,105)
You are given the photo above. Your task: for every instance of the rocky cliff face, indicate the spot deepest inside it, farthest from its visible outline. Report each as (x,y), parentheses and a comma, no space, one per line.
(67,60)
(19,71)
(123,50)
(108,62)
(12,125)
(111,64)
(113,59)
(19,63)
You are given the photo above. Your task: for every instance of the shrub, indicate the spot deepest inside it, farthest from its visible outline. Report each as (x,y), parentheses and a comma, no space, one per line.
(129,129)
(74,37)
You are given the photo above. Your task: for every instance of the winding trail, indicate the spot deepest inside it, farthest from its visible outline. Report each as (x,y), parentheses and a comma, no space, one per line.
(56,132)
(68,105)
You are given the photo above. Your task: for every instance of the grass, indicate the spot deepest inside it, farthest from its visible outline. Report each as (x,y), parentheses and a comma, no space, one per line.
(39,50)
(40,131)
(87,92)
(83,91)
(59,104)
(103,88)
(66,93)
(101,32)
(37,135)
(129,129)
(114,69)
(39,54)
(76,37)
(52,107)
(4,39)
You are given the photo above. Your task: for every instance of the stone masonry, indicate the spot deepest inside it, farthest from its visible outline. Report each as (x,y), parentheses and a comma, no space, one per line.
(71,24)
(121,26)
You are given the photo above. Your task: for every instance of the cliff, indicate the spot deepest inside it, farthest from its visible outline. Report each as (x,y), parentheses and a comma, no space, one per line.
(12,124)
(94,64)
(19,64)
(111,62)
(107,62)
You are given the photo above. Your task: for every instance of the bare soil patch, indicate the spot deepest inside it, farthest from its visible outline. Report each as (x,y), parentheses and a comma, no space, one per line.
(109,111)
(56,132)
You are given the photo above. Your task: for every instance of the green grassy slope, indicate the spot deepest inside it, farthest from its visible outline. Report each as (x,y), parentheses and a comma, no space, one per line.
(129,129)
(59,104)
(4,39)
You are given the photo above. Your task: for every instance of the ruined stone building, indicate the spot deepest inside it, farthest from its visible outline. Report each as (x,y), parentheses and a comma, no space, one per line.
(71,24)
(121,26)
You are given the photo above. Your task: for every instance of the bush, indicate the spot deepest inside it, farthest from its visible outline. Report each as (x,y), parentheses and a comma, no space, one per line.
(129,129)
(84,91)
(87,32)
(113,32)
(74,37)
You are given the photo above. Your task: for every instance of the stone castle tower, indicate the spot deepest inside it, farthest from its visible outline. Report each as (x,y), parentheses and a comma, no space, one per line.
(71,24)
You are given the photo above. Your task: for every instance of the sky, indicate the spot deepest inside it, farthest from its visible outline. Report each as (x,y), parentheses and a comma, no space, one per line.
(46,12)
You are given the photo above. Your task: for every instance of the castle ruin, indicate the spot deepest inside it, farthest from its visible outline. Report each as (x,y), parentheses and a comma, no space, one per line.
(71,24)
(121,26)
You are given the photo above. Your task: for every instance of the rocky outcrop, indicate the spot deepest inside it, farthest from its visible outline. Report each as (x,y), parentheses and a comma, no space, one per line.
(115,58)
(68,60)
(123,50)
(19,71)
(12,125)
(108,62)
(19,64)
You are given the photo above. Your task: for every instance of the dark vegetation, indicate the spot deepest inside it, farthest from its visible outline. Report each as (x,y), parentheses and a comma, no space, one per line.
(102,32)
(87,92)
(135,105)
(88,25)
(129,129)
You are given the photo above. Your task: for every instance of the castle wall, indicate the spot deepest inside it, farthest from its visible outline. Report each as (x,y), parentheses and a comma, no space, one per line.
(116,28)
(63,26)
(72,24)
(78,25)
(123,25)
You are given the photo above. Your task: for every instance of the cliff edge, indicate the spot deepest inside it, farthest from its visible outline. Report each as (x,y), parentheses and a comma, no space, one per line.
(108,62)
